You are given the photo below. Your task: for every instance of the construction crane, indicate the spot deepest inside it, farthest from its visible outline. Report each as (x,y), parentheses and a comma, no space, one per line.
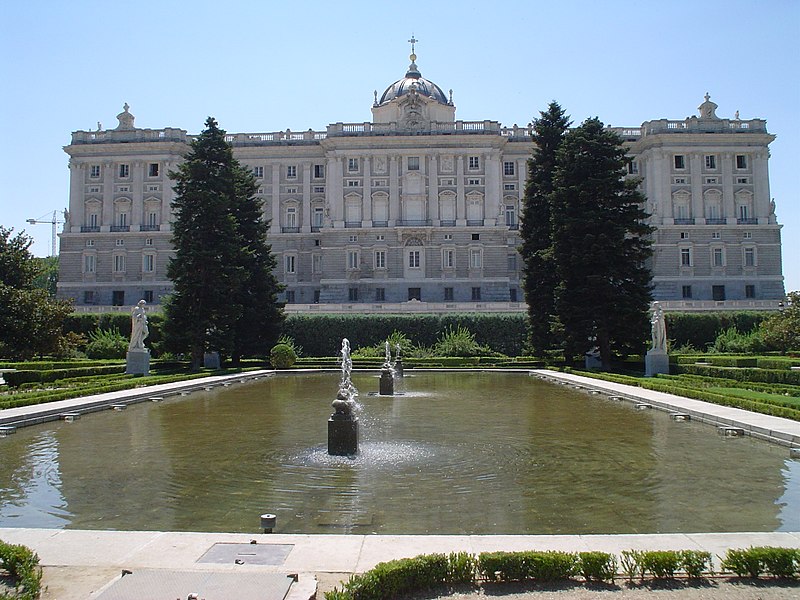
(53,221)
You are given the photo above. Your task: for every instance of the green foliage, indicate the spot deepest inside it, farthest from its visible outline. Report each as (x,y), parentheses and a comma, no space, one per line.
(597,566)
(225,292)
(631,567)
(664,564)
(459,341)
(30,320)
(282,356)
(106,343)
(22,376)
(22,565)
(781,331)
(391,579)
(753,561)
(526,566)
(695,563)
(700,330)
(461,568)
(601,243)
(321,335)
(47,279)
(660,563)
(289,341)
(537,239)
(733,341)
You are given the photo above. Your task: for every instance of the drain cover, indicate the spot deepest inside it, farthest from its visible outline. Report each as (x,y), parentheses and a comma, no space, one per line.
(151,583)
(247,554)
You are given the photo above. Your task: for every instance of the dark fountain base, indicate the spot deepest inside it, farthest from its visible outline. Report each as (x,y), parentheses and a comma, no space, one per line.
(342,437)
(387,383)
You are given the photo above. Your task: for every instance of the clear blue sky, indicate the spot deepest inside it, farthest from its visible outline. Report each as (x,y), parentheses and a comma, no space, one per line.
(265,66)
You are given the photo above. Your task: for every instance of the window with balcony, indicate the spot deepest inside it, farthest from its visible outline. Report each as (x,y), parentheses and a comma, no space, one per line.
(153,170)
(94,171)
(474,163)
(741,161)
(448,258)
(119,263)
(90,263)
(686,257)
(148,263)
(289,264)
(711,161)
(353,260)
(352,165)
(124,171)
(509,168)
(319,171)
(679,161)
(414,259)
(291,172)
(717,257)
(380,259)
(475,258)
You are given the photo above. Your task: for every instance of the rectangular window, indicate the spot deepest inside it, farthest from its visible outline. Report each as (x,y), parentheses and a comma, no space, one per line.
(749,257)
(415,293)
(448,294)
(352,294)
(319,171)
(474,163)
(511,215)
(352,165)
(119,263)
(352,259)
(679,180)
(380,259)
(152,170)
(712,180)
(633,168)
(686,292)
(686,257)
(509,168)
(509,187)
(413,259)
(742,180)
(684,235)
(89,263)
(448,258)
(152,219)
(319,189)
(289,296)
(448,236)
(118,297)
(150,188)
(718,292)
(353,238)
(94,220)
(750,291)
(476,237)
(94,171)
(512,294)
(148,241)
(258,172)
(680,161)
(318,216)
(147,296)
(119,242)
(289,263)
(711,161)
(148,263)
(89,243)
(291,172)
(741,161)
(124,171)
(475,258)
(316,296)
(380,237)
(413,163)
(316,263)
(473,181)
(512,262)
(748,235)
(353,183)
(476,294)
(717,257)
(380,294)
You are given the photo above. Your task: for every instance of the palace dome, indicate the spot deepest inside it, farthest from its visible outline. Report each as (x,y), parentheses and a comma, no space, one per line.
(413,80)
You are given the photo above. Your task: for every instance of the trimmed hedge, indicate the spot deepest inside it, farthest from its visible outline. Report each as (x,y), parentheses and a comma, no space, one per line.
(22,565)
(743,374)
(321,335)
(17,378)
(526,566)
(699,330)
(753,562)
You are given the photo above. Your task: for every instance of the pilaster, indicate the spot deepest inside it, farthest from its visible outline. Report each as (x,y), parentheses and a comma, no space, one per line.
(394,191)
(108,196)
(433,190)
(77,197)
(492,188)
(461,209)
(305,211)
(761,186)
(275,226)
(366,200)
(137,196)
(695,161)
(728,206)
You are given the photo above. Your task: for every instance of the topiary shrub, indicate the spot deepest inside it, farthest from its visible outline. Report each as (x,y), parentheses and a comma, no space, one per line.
(282,356)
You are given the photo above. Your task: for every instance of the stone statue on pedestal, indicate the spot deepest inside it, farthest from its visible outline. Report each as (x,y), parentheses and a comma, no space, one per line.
(657,360)
(137,361)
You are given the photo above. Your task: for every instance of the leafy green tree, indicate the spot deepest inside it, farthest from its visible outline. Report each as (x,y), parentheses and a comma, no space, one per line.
(30,320)
(536,249)
(48,275)
(221,256)
(601,245)
(781,331)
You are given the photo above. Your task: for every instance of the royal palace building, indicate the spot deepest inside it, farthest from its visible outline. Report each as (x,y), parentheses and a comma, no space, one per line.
(416,205)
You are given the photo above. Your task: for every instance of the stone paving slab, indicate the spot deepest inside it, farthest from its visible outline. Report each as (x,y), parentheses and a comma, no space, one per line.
(775,429)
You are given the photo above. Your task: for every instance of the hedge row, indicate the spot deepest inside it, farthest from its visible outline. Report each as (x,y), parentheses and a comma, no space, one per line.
(729,360)
(321,335)
(743,374)
(17,378)
(435,571)
(22,565)
(701,329)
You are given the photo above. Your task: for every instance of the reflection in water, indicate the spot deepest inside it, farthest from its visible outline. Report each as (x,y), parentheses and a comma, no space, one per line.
(460,453)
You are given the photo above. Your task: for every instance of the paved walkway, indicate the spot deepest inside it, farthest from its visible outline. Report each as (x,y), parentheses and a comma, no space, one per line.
(80,564)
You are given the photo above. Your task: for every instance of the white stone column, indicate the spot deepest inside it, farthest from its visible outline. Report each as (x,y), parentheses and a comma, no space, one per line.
(433,190)
(334,191)
(107,218)
(394,191)
(728,205)
(696,163)
(275,225)
(461,209)
(305,222)
(167,196)
(492,188)
(366,200)
(77,200)
(761,196)
(663,184)
(137,196)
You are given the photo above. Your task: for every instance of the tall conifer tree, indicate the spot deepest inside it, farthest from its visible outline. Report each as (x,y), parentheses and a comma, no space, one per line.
(601,245)
(221,256)
(539,270)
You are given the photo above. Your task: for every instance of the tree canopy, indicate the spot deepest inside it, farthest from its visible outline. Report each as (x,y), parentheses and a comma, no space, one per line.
(30,319)
(225,294)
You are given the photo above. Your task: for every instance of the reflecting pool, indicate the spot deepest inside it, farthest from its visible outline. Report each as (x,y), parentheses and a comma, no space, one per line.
(460,453)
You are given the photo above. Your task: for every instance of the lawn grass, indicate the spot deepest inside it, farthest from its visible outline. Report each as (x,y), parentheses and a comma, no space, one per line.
(757,396)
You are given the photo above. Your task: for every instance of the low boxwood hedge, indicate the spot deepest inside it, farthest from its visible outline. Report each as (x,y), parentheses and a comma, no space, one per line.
(22,565)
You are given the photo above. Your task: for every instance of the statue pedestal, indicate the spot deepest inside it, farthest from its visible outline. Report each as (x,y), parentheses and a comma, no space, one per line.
(387,383)
(211,360)
(592,360)
(398,368)
(342,437)
(655,362)
(137,362)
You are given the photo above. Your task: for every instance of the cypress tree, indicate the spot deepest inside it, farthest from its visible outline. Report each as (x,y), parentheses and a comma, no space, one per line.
(536,249)
(601,245)
(222,260)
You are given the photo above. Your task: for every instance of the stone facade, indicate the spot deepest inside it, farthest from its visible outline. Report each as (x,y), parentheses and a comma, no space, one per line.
(417,205)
